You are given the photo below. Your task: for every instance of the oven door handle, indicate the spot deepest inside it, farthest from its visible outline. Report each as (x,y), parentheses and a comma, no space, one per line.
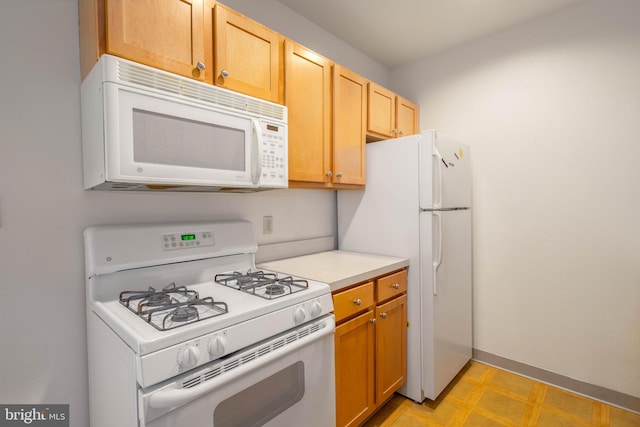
(172,396)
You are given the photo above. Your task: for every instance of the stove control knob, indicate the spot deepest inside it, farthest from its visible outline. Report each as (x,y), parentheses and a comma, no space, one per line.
(299,314)
(217,347)
(316,309)
(188,357)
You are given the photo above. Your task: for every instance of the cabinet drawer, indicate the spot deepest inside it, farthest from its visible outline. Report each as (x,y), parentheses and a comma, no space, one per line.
(391,285)
(353,301)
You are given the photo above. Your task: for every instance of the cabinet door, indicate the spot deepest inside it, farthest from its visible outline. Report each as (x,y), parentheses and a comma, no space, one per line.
(407,117)
(391,347)
(349,126)
(354,347)
(166,34)
(247,56)
(308,98)
(381,112)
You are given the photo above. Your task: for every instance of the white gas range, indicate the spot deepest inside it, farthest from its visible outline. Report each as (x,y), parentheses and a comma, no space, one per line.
(183,330)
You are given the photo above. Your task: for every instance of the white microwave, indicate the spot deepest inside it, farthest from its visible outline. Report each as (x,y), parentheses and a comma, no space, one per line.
(147,129)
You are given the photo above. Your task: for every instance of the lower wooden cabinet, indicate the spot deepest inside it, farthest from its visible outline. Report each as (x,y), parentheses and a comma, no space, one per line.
(355,347)
(370,346)
(391,347)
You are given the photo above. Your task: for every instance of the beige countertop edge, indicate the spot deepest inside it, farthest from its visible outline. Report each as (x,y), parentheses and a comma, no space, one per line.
(338,269)
(352,280)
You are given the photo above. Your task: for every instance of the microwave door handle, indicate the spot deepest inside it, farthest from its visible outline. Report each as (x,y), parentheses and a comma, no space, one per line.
(256,153)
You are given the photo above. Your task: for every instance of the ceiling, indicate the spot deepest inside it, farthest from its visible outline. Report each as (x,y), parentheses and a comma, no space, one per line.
(402,31)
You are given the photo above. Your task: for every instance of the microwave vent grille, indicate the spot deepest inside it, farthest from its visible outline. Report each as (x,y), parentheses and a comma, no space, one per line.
(194,90)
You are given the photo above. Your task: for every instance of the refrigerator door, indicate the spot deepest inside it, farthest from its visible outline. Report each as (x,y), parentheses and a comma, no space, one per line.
(448,163)
(446,299)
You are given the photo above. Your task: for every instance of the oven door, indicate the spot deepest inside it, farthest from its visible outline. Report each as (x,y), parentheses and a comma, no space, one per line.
(289,380)
(151,138)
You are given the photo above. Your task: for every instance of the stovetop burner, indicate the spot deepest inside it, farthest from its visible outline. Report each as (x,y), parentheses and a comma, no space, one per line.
(172,306)
(259,283)
(184,314)
(274,289)
(154,298)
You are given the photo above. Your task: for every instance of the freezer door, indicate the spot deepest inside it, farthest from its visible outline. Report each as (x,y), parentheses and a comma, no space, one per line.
(448,175)
(446,298)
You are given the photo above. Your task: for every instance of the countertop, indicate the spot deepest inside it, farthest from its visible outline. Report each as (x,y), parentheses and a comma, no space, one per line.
(337,268)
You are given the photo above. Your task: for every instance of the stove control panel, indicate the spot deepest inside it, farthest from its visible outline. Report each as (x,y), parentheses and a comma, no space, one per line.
(187,240)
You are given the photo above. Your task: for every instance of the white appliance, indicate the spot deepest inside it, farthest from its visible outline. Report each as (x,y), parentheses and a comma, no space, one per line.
(417,205)
(183,331)
(146,129)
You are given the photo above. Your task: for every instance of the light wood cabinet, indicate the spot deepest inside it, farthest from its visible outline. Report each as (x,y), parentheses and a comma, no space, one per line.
(199,39)
(246,56)
(349,127)
(390,115)
(370,345)
(327,105)
(354,349)
(166,34)
(308,99)
(391,347)
(407,117)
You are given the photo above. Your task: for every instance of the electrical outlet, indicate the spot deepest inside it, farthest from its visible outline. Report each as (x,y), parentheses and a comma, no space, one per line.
(267,224)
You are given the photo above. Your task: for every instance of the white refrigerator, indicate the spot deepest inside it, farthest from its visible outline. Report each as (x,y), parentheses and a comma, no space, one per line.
(417,205)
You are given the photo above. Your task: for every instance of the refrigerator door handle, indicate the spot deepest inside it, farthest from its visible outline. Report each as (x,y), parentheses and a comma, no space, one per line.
(437,238)
(437,179)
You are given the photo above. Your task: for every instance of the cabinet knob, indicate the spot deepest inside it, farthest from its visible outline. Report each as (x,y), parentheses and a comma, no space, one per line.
(383,315)
(394,131)
(401,132)
(357,301)
(372,321)
(329,174)
(224,73)
(395,286)
(339,175)
(200,66)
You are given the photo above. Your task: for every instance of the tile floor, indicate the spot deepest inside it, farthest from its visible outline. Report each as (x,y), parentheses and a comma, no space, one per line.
(483,396)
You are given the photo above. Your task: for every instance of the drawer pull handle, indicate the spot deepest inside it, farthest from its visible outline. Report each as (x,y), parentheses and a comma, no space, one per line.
(372,321)
(395,286)
(357,301)
(383,315)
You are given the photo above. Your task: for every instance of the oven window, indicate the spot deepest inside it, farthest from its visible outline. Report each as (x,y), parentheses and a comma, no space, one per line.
(168,140)
(262,401)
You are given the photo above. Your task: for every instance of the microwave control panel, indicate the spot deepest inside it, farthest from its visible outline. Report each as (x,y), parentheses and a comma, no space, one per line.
(274,154)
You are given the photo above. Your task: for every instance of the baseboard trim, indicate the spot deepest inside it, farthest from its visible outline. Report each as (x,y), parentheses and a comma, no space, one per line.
(602,394)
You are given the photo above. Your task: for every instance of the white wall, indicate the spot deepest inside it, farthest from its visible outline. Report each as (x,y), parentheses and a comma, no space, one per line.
(552,112)
(43,208)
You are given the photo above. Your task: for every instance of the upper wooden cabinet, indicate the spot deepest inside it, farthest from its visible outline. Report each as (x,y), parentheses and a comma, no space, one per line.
(349,127)
(246,56)
(166,34)
(389,115)
(199,39)
(407,117)
(327,115)
(308,99)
